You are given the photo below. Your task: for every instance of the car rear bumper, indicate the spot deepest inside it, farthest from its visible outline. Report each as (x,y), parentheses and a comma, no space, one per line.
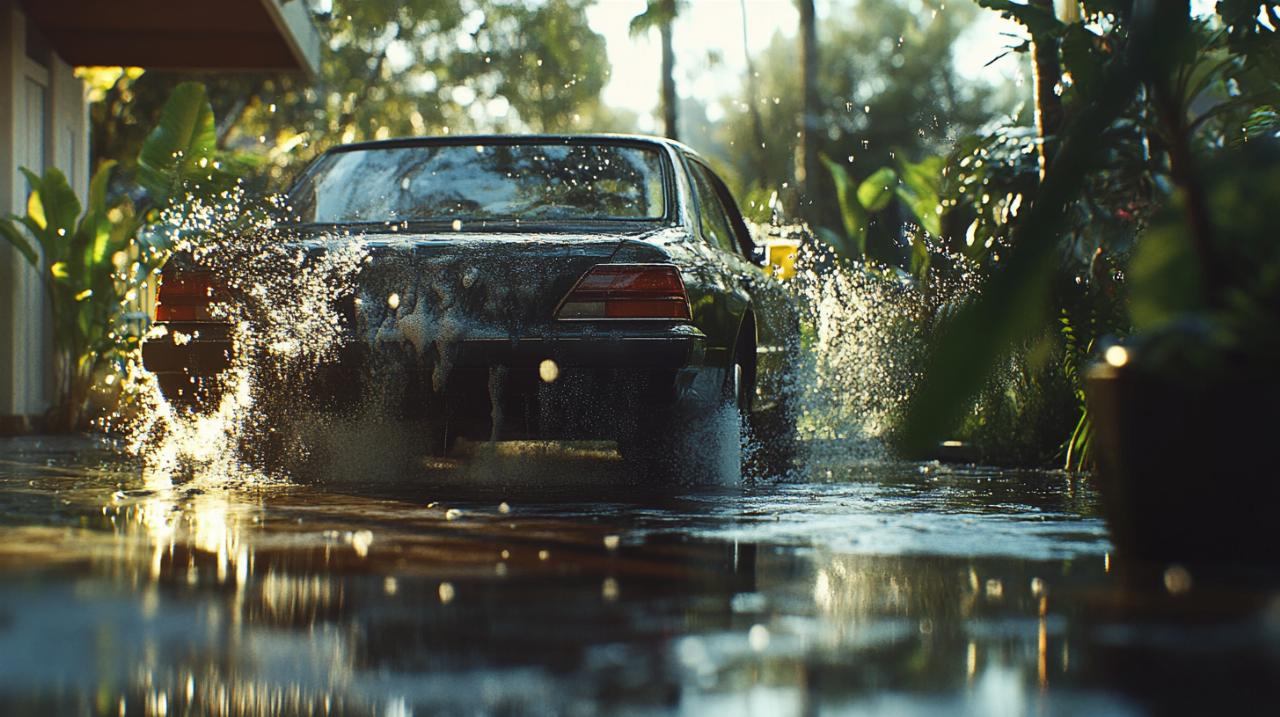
(602,378)
(205,350)
(676,348)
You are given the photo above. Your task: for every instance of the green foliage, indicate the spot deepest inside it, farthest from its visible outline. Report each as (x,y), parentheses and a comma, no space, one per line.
(536,62)
(1166,282)
(1024,409)
(889,93)
(920,191)
(1147,92)
(1181,325)
(184,136)
(1257,42)
(89,257)
(853,214)
(91,263)
(877,191)
(390,68)
(916,185)
(1078,447)
(1015,301)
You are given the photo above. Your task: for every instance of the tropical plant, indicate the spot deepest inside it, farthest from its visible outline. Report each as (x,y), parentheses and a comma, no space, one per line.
(858,201)
(93,259)
(1159,87)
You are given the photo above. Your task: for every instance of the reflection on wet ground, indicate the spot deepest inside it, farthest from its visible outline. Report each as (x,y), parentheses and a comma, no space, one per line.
(545,582)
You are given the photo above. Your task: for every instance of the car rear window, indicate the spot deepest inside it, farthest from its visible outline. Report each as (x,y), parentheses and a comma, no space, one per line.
(491,182)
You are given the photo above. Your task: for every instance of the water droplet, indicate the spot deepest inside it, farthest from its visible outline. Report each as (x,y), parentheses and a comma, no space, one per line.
(1177,580)
(548,371)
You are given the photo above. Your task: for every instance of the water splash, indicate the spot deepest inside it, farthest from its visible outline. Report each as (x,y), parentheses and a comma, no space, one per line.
(287,327)
(864,336)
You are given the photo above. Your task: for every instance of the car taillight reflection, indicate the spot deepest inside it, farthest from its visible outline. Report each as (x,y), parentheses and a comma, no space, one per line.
(185,296)
(627,291)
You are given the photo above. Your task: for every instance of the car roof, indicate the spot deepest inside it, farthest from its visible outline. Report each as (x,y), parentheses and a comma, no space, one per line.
(465,139)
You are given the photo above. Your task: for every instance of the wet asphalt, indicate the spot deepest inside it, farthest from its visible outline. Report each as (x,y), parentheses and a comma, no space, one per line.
(542,579)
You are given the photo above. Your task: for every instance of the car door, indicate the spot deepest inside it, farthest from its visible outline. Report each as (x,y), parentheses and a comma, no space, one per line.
(726,233)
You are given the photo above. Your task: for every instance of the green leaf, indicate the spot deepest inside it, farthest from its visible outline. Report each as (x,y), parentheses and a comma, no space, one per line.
(42,235)
(98,188)
(55,205)
(852,212)
(95,223)
(924,209)
(185,134)
(877,191)
(1164,277)
(919,190)
(35,207)
(14,236)
(920,257)
(1082,58)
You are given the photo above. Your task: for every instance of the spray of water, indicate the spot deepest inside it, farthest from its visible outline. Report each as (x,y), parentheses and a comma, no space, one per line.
(865,332)
(289,325)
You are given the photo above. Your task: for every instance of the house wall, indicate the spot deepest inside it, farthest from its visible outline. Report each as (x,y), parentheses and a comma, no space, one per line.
(43,123)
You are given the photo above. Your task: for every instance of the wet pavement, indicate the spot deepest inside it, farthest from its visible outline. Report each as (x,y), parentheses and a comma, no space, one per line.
(543,580)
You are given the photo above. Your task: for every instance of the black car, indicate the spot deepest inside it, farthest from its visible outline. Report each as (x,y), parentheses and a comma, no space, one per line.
(523,287)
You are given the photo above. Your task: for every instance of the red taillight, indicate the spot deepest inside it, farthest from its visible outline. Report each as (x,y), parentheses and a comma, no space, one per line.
(627,291)
(185,296)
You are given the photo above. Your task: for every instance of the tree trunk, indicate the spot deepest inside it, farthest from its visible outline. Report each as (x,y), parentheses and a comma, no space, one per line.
(1194,198)
(807,168)
(669,98)
(1047,72)
(753,107)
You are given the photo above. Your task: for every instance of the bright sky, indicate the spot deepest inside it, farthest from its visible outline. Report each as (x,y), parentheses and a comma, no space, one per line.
(707,26)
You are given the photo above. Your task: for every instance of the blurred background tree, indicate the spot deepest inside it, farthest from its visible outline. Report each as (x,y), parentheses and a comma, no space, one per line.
(392,68)
(887,87)
(660,15)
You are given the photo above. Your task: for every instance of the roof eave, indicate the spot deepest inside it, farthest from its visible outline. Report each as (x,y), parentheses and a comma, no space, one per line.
(293,21)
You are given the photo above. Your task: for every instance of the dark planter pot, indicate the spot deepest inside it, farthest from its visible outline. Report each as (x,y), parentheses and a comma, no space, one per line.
(1187,471)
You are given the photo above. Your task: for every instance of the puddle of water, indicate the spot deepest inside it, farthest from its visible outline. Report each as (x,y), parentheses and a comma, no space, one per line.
(859,588)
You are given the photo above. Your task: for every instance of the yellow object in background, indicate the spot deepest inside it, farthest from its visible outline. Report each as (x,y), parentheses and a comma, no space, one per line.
(782,257)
